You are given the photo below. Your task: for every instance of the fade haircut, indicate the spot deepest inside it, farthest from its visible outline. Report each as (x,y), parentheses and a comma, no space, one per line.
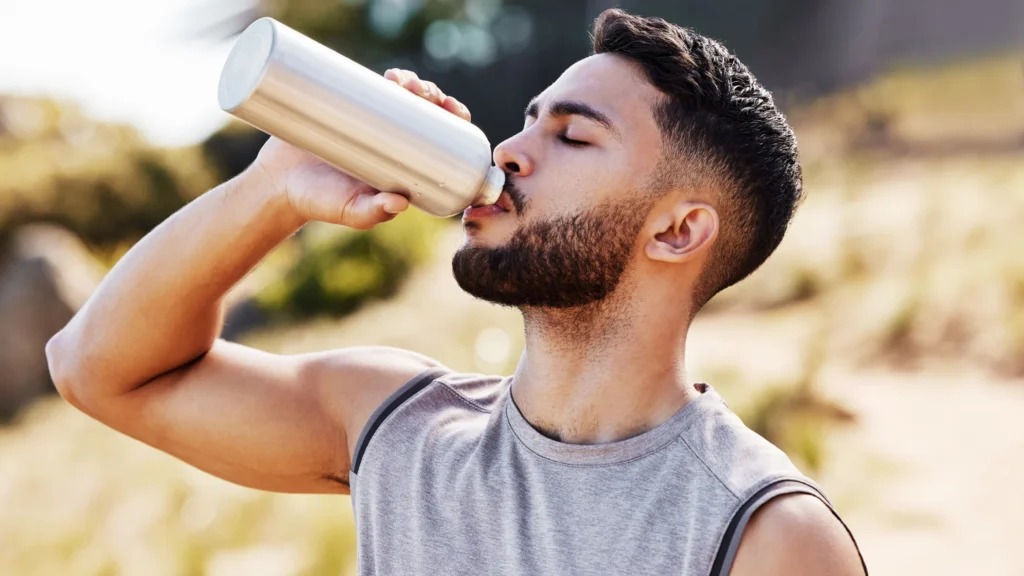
(718,126)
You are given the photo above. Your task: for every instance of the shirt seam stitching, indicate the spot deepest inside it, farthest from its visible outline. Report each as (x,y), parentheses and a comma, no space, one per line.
(732,489)
(463,398)
(583,465)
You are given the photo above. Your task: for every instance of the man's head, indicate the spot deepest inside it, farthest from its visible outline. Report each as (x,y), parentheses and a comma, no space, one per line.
(658,158)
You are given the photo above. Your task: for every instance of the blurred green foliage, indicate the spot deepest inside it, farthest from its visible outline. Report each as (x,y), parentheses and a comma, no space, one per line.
(798,420)
(101,181)
(336,275)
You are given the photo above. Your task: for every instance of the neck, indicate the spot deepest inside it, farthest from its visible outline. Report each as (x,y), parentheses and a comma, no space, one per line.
(602,372)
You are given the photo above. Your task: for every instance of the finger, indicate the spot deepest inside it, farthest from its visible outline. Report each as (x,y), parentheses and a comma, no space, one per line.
(434,93)
(368,209)
(390,202)
(405,77)
(417,87)
(400,76)
(455,107)
(426,89)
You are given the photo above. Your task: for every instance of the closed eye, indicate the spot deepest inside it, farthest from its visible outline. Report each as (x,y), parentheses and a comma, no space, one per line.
(571,142)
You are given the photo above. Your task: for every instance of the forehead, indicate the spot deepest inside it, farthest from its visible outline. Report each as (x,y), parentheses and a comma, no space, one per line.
(614,86)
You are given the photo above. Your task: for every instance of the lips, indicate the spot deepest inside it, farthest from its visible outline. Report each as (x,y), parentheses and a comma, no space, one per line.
(505,202)
(503,205)
(478,212)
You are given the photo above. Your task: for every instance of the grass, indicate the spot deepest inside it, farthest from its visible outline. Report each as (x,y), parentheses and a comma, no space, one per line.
(78,498)
(791,413)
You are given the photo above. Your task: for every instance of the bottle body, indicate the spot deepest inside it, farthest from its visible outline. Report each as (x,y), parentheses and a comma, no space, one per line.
(290,86)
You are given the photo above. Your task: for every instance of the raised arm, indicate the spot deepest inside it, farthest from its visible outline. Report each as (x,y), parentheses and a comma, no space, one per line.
(143,354)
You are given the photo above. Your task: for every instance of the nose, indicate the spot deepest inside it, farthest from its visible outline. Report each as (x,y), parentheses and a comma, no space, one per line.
(511,157)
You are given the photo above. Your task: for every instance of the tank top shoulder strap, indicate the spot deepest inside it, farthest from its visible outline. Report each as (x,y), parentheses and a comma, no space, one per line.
(389,405)
(734,531)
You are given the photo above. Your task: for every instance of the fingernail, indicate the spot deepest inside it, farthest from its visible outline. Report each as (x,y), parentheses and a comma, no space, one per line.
(391,209)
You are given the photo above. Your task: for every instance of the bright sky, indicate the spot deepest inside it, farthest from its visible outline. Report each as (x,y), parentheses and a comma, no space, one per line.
(122,60)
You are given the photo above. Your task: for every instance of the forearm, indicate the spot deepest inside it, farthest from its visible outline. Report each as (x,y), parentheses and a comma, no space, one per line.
(161,306)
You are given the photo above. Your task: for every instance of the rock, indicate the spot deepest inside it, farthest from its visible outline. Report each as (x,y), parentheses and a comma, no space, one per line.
(46,274)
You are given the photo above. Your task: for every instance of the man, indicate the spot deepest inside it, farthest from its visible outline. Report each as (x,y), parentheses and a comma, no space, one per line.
(647,178)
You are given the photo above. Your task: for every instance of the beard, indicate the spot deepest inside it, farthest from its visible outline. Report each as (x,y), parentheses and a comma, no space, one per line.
(563,262)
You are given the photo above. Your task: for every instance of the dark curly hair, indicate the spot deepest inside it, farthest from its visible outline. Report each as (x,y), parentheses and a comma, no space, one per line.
(720,126)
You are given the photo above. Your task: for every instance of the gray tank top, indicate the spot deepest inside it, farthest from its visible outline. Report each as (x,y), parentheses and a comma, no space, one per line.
(448,478)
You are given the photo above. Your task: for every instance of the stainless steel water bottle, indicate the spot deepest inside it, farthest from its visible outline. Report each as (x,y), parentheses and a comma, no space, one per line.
(290,86)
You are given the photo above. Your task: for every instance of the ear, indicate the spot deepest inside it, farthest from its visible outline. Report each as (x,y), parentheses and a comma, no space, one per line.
(682,232)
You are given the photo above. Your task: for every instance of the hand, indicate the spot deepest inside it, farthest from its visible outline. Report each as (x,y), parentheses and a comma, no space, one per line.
(316,190)
(408,80)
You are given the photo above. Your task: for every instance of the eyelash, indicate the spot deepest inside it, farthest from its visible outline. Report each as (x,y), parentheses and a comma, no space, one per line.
(571,142)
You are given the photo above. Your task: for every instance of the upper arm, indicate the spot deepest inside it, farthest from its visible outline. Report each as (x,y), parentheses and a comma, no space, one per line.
(796,535)
(272,422)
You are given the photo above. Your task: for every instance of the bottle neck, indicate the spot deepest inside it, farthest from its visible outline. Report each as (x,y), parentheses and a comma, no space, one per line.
(494,183)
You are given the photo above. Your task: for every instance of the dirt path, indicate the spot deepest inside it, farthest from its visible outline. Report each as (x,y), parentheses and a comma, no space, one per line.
(932,477)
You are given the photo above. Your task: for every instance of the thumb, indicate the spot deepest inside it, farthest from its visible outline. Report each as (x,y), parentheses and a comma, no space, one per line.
(370,208)
(391,203)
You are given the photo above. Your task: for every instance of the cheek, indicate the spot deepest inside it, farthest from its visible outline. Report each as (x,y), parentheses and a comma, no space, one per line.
(593,185)
(568,188)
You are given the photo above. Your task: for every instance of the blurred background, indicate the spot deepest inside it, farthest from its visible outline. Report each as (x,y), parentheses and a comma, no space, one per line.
(882,346)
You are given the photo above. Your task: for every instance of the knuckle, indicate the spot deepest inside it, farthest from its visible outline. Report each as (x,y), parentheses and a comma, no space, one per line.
(353,211)
(346,211)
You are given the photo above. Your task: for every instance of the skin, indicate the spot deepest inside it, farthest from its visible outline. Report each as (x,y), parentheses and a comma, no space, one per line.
(160,374)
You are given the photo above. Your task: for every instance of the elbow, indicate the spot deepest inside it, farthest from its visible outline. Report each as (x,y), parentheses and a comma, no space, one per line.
(63,364)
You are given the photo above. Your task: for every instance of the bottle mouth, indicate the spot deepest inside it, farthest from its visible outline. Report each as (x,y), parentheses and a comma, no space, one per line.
(494,183)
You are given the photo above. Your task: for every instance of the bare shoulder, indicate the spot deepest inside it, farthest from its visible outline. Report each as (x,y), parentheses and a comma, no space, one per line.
(796,535)
(353,382)
(378,363)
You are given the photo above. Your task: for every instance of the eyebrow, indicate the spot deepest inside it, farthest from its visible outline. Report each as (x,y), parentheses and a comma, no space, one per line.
(573,108)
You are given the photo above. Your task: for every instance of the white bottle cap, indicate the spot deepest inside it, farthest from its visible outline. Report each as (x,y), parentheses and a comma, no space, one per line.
(493,185)
(246,64)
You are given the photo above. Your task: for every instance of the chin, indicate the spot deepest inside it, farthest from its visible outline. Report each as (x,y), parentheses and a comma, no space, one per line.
(480,234)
